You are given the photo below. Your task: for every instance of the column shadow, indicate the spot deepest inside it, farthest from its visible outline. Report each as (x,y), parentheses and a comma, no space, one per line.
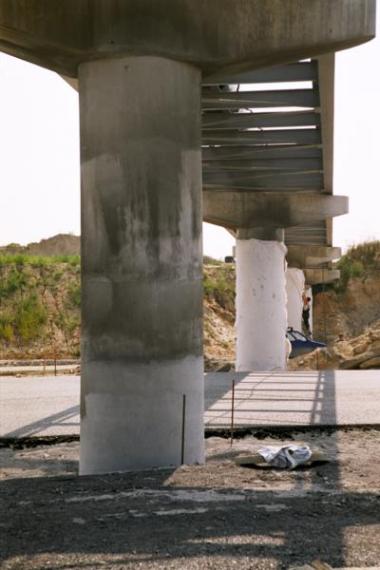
(68,417)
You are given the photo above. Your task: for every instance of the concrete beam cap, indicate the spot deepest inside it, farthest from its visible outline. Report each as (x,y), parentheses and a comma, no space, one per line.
(303,256)
(234,209)
(217,35)
(319,276)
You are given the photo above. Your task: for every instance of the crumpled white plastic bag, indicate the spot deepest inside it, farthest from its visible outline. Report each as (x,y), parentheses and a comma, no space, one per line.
(287,456)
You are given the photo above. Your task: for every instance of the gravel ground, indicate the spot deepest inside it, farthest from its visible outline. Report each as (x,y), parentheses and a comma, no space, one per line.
(216,516)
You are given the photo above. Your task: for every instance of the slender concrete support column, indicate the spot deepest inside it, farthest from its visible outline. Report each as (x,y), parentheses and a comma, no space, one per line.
(142,264)
(295,285)
(260,305)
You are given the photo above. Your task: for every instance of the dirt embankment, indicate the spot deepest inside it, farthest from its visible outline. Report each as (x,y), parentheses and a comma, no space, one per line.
(219,316)
(360,352)
(40,306)
(347,318)
(347,313)
(40,303)
(40,316)
(39,309)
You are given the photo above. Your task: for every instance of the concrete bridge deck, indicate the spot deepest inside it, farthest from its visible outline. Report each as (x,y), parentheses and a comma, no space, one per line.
(48,406)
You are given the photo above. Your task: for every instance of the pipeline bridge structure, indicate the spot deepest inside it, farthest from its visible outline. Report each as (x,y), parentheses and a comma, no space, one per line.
(220,111)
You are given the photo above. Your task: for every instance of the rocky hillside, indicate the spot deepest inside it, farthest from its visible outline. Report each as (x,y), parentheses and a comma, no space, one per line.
(360,352)
(348,307)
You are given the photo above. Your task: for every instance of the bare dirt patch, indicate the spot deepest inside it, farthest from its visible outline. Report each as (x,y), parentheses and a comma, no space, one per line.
(214,516)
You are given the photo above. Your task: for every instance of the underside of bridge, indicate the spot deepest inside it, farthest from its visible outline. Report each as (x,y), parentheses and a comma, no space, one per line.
(159,107)
(267,161)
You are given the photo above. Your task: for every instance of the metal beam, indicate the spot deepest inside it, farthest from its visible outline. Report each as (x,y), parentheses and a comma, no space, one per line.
(311,234)
(326,77)
(210,154)
(230,121)
(269,209)
(291,136)
(269,181)
(303,71)
(272,165)
(217,100)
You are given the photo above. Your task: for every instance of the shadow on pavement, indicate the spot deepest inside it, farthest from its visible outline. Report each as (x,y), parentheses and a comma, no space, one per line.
(63,418)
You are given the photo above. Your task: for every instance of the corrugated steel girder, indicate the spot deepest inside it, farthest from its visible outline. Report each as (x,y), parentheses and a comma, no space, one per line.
(219,101)
(278,136)
(300,71)
(231,121)
(211,154)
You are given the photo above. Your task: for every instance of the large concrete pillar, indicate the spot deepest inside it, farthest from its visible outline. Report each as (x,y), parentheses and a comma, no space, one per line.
(260,305)
(295,285)
(142,264)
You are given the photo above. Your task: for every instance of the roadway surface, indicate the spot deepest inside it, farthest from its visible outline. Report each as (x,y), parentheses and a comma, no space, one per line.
(47,406)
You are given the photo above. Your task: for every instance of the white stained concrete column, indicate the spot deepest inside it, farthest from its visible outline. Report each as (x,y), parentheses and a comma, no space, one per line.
(309,293)
(141,264)
(260,305)
(295,285)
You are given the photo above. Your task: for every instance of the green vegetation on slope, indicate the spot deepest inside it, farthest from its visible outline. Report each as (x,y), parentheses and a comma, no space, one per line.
(219,284)
(347,307)
(360,260)
(39,305)
(21,259)
(40,302)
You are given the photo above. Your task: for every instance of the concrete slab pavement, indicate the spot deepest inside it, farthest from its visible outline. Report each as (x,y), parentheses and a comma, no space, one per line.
(310,398)
(49,406)
(39,406)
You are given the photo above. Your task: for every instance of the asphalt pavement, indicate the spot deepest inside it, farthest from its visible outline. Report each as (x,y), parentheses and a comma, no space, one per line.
(48,406)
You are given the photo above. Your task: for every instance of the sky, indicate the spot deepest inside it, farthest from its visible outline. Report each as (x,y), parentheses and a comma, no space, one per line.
(39,152)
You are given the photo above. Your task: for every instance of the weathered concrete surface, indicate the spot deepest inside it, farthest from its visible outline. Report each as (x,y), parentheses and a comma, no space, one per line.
(313,398)
(260,305)
(243,209)
(303,256)
(218,33)
(141,263)
(321,275)
(43,406)
(49,406)
(295,285)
